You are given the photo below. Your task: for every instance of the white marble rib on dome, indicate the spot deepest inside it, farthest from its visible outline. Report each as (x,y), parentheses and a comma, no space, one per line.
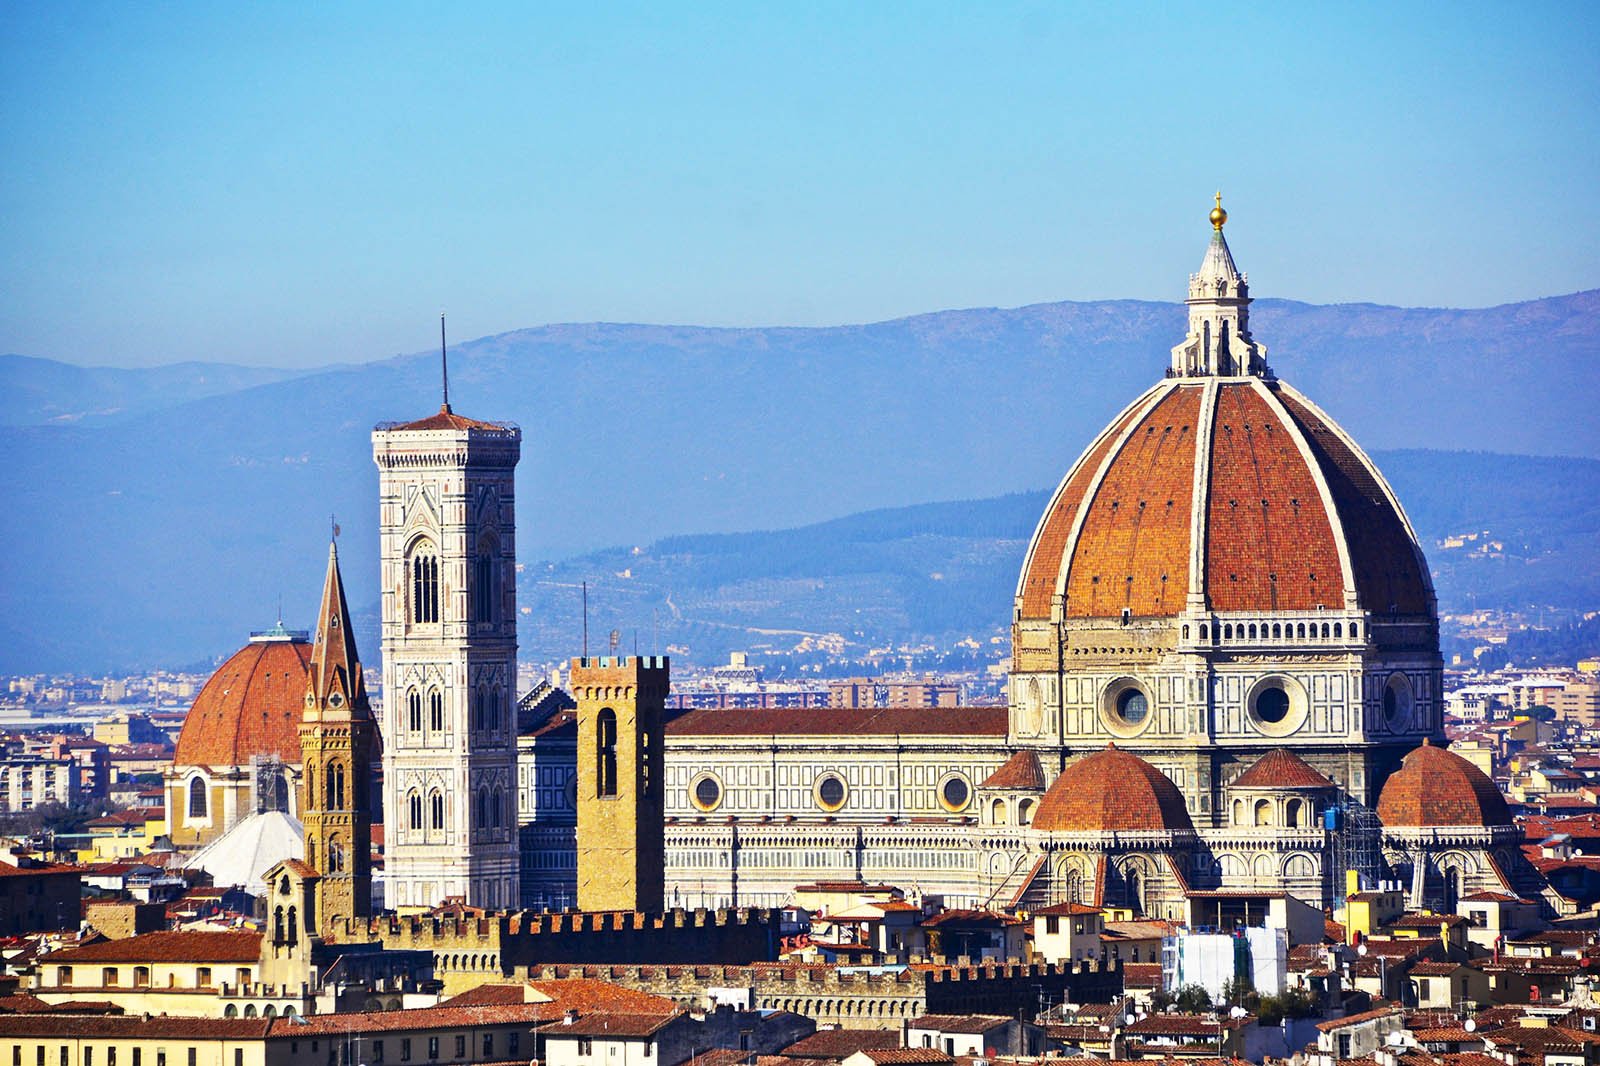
(242,854)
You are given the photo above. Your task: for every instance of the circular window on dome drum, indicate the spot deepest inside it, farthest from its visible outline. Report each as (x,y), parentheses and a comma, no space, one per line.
(831,792)
(706,792)
(955,792)
(1277,706)
(1126,706)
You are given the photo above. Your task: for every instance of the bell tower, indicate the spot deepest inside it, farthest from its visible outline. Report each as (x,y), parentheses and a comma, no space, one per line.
(621,836)
(448,557)
(337,742)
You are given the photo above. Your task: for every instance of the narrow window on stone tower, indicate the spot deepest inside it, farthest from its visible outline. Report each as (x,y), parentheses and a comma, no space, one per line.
(197,798)
(336,787)
(606,753)
(436,711)
(484,591)
(415,804)
(414,711)
(424,584)
(436,801)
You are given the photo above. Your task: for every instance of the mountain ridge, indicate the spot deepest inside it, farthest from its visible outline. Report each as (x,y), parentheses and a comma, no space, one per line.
(161,534)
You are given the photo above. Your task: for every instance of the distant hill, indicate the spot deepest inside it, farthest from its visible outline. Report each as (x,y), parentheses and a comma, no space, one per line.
(162,533)
(945,571)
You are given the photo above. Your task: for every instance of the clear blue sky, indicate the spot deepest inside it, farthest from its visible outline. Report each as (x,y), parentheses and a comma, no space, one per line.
(304,184)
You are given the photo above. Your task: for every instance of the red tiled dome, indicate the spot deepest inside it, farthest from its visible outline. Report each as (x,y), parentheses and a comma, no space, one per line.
(1287,505)
(1435,787)
(1281,768)
(250,706)
(1112,791)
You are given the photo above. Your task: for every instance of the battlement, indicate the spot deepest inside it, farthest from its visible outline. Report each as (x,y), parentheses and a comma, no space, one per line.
(599,672)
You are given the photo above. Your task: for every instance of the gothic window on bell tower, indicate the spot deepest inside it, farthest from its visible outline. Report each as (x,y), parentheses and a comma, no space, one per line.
(336,787)
(414,711)
(414,806)
(436,711)
(424,567)
(436,801)
(485,592)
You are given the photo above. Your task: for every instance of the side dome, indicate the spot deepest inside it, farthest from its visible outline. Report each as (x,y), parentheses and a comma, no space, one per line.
(250,706)
(1435,787)
(1112,791)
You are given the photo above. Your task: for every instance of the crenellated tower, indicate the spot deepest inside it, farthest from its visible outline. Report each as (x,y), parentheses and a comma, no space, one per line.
(448,557)
(337,742)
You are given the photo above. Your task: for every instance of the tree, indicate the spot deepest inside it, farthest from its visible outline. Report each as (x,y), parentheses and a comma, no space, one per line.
(1542,713)
(1192,999)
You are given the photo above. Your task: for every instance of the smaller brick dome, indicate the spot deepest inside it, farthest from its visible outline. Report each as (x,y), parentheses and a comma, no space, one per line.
(1435,787)
(1281,768)
(250,706)
(1112,791)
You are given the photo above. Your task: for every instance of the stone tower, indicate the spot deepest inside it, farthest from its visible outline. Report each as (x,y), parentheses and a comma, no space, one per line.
(448,557)
(621,850)
(337,742)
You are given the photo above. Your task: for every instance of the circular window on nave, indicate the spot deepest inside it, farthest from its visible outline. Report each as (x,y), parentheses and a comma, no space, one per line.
(706,792)
(955,792)
(831,792)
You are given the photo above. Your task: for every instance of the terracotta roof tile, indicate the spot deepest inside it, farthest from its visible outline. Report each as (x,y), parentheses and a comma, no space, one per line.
(169,946)
(1021,771)
(1112,790)
(834,1045)
(1436,787)
(1281,768)
(930,721)
(445,418)
(250,706)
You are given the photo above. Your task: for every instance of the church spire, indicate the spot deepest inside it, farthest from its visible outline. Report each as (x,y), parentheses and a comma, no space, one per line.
(336,688)
(1219,342)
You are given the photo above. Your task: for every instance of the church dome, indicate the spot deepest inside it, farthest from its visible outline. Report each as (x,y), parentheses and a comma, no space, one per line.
(1435,787)
(250,706)
(1222,488)
(1112,791)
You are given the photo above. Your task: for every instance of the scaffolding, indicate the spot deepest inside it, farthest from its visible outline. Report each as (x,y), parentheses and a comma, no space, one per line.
(1356,836)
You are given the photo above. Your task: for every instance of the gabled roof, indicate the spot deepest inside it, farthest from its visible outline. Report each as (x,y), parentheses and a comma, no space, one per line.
(1281,768)
(835,1045)
(181,946)
(1021,771)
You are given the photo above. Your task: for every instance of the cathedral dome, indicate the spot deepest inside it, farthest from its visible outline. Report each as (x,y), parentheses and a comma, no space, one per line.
(1435,787)
(1222,489)
(250,706)
(1236,494)
(1112,791)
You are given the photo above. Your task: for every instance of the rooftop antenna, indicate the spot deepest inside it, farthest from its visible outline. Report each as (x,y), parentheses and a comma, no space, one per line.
(585,619)
(444,364)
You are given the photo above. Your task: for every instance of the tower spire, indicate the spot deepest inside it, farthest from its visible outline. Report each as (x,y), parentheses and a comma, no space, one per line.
(444,366)
(336,686)
(1219,342)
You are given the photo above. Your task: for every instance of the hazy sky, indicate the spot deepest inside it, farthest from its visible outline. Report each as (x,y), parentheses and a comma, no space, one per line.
(312,183)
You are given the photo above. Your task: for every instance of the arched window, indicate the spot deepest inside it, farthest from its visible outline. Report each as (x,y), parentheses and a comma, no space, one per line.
(414,801)
(483,808)
(1338,630)
(1294,816)
(494,709)
(424,583)
(335,856)
(277,925)
(294,925)
(336,786)
(414,710)
(606,753)
(436,801)
(1263,812)
(477,709)
(502,810)
(436,711)
(197,797)
(485,590)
